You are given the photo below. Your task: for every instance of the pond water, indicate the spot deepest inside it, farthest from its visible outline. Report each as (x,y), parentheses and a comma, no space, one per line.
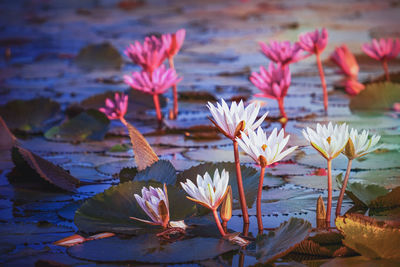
(42,44)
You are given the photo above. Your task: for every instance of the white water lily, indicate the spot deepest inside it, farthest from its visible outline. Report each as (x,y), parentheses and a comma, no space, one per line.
(154,202)
(265,150)
(359,144)
(328,140)
(229,120)
(208,192)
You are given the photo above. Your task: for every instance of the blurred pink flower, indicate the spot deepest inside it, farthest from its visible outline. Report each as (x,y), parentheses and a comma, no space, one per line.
(116,110)
(273,83)
(346,61)
(353,87)
(155,84)
(173,42)
(383,50)
(158,83)
(396,106)
(149,55)
(282,52)
(314,42)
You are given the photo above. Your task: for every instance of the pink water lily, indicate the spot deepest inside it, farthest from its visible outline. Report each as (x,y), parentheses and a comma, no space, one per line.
(346,61)
(116,110)
(314,43)
(383,50)
(156,83)
(173,43)
(353,87)
(273,82)
(149,55)
(282,52)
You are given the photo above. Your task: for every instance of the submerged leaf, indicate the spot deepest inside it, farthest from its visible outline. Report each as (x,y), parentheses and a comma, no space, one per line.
(149,249)
(37,170)
(99,56)
(88,125)
(369,237)
(280,242)
(110,211)
(29,115)
(376,97)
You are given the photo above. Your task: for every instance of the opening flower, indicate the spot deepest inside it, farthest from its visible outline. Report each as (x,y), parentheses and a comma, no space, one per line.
(208,192)
(328,140)
(116,110)
(173,42)
(383,50)
(265,150)
(156,83)
(273,83)
(346,61)
(149,55)
(230,121)
(359,144)
(154,202)
(314,42)
(282,52)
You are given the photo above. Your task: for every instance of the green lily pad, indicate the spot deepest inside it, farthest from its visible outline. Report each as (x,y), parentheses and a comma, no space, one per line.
(360,261)
(362,195)
(388,201)
(88,125)
(149,249)
(389,178)
(26,116)
(99,56)
(369,237)
(110,211)
(250,178)
(280,242)
(37,171)
(161,171)
(376,97)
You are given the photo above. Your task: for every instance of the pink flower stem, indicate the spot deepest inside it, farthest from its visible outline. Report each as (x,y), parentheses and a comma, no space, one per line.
(217,221)
(242,197)
(259,193)
(157,106)
(343,189)
(124,122)
(322,76)
(174,88)
(329,205)
(386,69)
(282,107)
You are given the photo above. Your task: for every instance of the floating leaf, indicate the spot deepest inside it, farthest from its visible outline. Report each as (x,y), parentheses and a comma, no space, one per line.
(127,174)
(29,115)
(376,97)
(369,237)
(360,261)
(99,56)
(250,178)
(88,125)
(149,249)
(39,170)
(161,171)
(362,194)
(390,200)
(110,211)
(280,242)
(144,154)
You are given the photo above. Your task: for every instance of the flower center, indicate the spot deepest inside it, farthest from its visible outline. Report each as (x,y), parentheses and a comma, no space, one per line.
(264,146)
(329,140)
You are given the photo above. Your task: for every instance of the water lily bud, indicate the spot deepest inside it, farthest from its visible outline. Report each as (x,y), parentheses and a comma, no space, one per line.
(321,213)
(349,150)
(226,207)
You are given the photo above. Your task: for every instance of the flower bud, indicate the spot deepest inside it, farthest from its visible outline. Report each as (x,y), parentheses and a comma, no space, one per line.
(349,150)
(226,207)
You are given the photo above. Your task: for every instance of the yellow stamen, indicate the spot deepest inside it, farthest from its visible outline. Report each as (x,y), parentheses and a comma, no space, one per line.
(210,190)
(329,140)
(264,146)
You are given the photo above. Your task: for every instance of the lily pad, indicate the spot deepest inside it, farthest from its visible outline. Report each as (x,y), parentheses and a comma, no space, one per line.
(369,237)
(99,56)
(161,171)
(390,200)
(360,261)
(280,242)
(110,211)
(37,170)
(376,97)
(26,116)
(149,249)
(88,125)
(250,178)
